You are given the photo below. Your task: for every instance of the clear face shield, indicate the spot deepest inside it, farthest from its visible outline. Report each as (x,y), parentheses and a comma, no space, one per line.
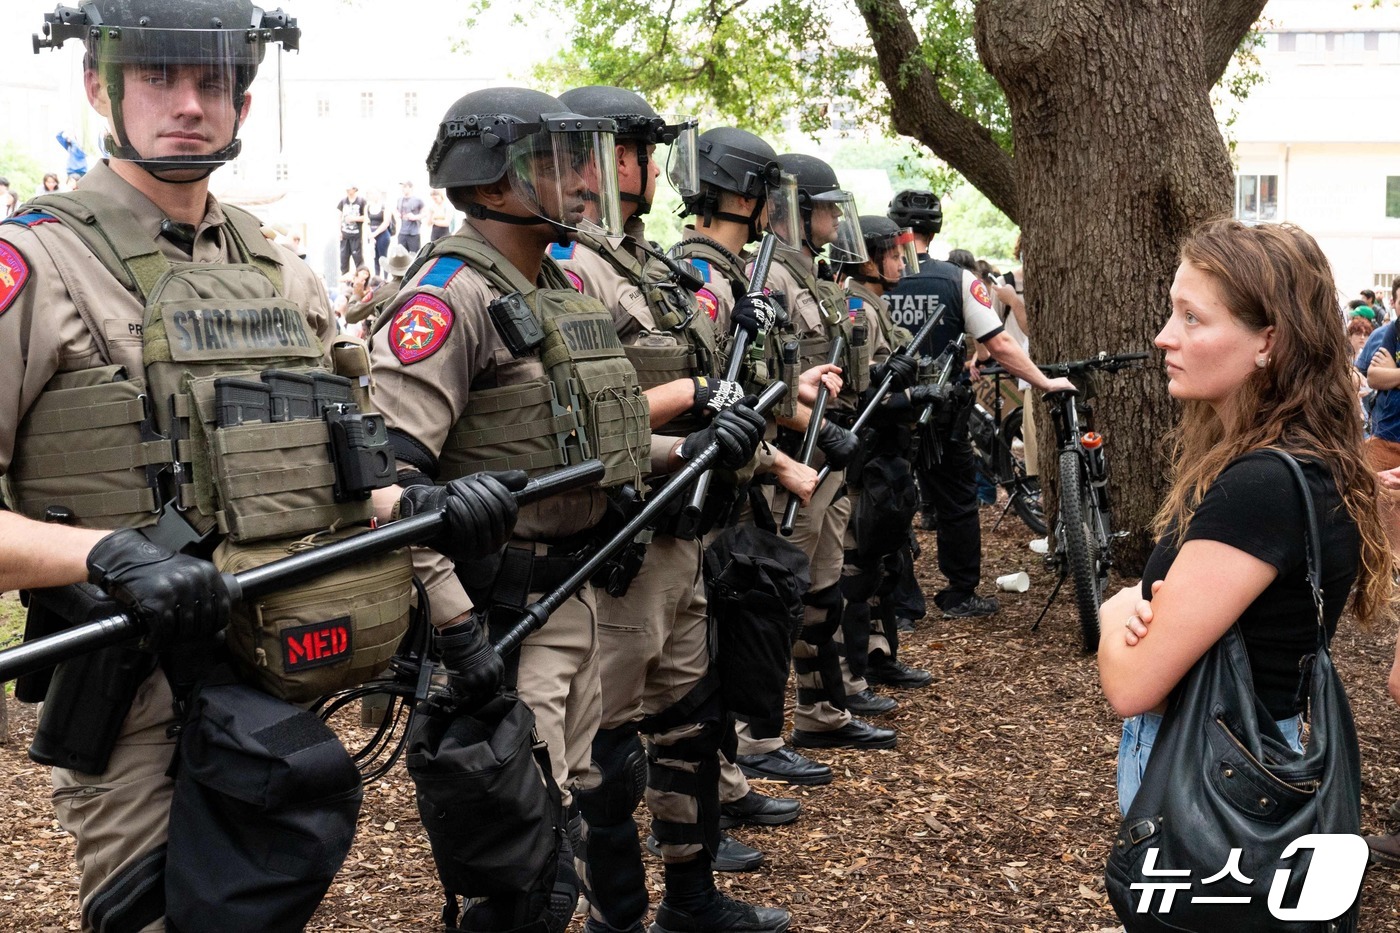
(172,98)
(836,225)
(910,249)
(781,216)
(680,137)
(566,172)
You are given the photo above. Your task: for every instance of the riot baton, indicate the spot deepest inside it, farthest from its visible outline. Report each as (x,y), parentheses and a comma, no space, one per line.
(688,524)
(886,386)
(950,358)
(279,574)
(809,440)
(534,616)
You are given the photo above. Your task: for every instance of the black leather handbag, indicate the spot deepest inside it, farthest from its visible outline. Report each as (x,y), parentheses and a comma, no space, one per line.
(1222,778)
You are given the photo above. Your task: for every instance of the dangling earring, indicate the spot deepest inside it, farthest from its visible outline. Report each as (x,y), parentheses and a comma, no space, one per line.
(1261,361)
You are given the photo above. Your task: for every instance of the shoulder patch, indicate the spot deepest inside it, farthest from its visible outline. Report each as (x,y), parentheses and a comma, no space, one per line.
(574,279)
(14,272)
(419,328)
(702,266)
(707,302)
(855,305)
(979,291)
(561,253)
(32,219)
(441,272)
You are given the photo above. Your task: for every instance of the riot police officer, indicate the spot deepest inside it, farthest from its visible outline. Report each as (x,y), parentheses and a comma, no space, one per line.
(949,486)
(490,359)
(123,306)
(653,638)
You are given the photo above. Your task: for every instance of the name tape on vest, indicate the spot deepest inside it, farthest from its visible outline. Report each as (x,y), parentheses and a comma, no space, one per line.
(317,645)
(267,330)
(589,336)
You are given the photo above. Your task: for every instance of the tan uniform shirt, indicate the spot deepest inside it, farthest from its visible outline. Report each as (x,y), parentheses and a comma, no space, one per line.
(42,331)
(425,396)
(717,297)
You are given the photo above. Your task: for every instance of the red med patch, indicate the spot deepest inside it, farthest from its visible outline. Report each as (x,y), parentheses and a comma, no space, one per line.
(316,645)
(979,291)
(574,280)
(14,272)
(707,302)
(419,328)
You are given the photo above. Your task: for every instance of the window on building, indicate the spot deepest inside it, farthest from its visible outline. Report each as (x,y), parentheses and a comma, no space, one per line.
(1308,42)
(1353,42)
(281,172)
(1392,196)
(1256,198)
(367,105)
(1372,41)
(323,106)
(410,103)
(1388,44)
(1288,42)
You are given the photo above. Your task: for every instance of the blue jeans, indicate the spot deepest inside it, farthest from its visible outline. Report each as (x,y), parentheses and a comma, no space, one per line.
(1140,732)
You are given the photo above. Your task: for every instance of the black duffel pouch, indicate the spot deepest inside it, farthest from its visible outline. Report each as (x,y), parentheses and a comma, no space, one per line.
(754,581)
(487,799)
(263,815)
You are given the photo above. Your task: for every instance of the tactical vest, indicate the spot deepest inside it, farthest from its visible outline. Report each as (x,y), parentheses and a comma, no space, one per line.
(936,284)
(679,342)
(586,404)
(764,361)
(114,447)
(815,349)
(877,314)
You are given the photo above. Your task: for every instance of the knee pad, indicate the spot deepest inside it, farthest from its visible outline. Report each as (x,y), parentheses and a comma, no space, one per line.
(621,762)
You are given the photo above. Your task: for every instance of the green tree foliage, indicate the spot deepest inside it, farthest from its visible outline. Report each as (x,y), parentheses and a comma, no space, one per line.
(21,169)
(973,223)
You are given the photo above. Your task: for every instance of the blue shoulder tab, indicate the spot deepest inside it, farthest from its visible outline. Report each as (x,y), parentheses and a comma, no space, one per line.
(854,304)
(703,267)
(442,271)
(31,218)
(560,253)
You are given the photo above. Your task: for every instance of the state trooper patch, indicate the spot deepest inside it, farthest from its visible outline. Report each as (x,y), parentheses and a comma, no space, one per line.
(707,302)
(14,272)
(419,328)
(979,291)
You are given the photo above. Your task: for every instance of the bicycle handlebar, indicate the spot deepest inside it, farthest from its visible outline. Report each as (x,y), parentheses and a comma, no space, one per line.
(1077,367)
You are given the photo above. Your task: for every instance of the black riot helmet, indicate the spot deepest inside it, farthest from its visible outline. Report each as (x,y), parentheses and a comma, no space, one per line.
(883,238)
(829,216)
(641,126)
(211,48)
(734,160)
(920,211)
(561,165)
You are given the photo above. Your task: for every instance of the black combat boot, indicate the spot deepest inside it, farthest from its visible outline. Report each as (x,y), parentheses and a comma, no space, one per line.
(693,905)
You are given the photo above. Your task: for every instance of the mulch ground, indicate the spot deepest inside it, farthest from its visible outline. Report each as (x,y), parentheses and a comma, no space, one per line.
(993,814)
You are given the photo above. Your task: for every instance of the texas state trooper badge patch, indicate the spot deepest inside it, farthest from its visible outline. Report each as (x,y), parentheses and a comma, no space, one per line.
(14,272)
(707,302)
(419,328)
(979,291)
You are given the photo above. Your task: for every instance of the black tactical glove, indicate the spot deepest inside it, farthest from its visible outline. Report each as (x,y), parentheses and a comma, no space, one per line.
(474,669)
(755,315)
(738,430)
(920,396)
(904,368)
(714,395)
(176,598)
(480,512)
(839,445)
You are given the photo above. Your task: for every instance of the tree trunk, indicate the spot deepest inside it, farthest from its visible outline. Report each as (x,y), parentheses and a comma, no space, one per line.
(1117,156)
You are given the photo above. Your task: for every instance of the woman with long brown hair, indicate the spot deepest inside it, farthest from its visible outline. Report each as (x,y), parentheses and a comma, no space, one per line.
(1254,354)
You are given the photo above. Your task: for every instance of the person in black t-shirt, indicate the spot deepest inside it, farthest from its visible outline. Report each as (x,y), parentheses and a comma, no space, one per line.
(1254,353)
(352,230)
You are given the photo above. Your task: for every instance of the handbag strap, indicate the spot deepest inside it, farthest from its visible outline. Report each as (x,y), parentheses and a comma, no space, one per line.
(1314,540)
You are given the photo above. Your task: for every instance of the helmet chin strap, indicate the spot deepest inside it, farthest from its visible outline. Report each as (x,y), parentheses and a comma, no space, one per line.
(563,234)
(119,146)
(639,199)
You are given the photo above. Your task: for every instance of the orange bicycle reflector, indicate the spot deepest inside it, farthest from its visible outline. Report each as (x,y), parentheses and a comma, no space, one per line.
(1092,440)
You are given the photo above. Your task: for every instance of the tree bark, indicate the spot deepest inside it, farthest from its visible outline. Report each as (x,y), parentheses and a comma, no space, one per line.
(1118,155)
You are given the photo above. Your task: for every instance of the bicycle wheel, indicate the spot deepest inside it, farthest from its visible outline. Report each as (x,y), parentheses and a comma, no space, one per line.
(1011,466)
(1080,545)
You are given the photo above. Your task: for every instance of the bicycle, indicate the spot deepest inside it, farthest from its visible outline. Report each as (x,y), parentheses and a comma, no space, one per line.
(999,446)
(1084,535)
